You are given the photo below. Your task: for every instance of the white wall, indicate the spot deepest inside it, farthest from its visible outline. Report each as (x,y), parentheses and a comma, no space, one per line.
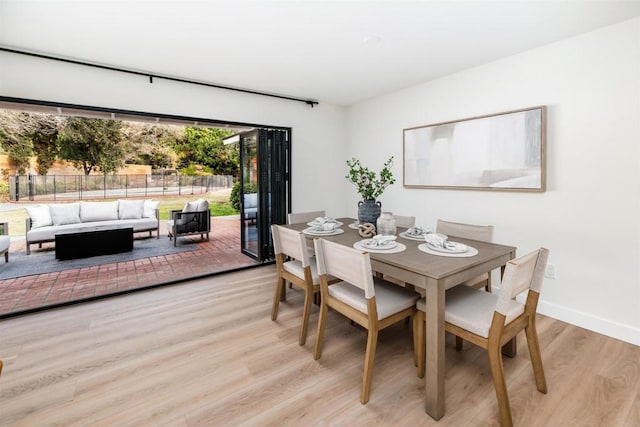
(589,217)
(317,133)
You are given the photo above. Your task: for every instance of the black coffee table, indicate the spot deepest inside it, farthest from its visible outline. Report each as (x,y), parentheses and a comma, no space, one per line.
(84,244)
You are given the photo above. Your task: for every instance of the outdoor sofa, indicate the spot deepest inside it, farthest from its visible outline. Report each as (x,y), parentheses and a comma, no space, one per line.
(45,221)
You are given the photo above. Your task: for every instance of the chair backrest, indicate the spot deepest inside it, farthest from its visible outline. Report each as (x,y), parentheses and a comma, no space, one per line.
(483,233)
(198,205)
(345,263)
(405,221)
(300,217)
(520,274)
(250,200)
(290,243)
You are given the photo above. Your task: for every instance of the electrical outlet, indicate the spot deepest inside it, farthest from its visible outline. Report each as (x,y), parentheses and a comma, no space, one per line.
(550,271)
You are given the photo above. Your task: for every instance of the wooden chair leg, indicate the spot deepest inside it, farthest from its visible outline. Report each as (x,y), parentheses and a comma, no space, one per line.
(458,343)
(536,358)
(306,311)
(6,256)
(276,298)
(322,320)
(497,372)
(419,331)
(369,357)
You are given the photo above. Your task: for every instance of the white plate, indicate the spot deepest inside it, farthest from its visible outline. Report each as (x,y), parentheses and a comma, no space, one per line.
(371,244)
(312,223)
(310,231)
(452,248)
(354,225)
(411,237)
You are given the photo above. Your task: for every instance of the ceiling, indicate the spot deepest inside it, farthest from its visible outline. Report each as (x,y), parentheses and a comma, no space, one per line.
(340,52)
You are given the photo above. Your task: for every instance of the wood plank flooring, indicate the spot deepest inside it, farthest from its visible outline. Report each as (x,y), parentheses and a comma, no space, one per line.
(205,353)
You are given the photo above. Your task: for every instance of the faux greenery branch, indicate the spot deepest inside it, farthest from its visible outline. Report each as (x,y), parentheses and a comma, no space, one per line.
(368,184)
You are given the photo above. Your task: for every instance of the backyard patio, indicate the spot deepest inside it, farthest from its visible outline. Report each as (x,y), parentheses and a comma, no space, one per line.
(194,258)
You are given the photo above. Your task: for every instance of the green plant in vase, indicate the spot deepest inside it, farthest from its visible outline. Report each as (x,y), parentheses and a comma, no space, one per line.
(370,186)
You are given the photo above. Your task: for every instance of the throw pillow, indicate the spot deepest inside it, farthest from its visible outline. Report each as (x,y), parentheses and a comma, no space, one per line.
(149,210)
(203,205)
(68,213)
(130,209)
(98,211)
(40,216)
(191,207)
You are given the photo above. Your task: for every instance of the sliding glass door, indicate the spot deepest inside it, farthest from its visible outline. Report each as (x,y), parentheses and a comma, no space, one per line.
(265,189)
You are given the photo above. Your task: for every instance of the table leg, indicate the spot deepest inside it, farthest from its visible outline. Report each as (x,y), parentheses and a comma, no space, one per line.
(434,369)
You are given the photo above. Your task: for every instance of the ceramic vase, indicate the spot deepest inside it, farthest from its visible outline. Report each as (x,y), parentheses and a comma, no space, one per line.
(368,211)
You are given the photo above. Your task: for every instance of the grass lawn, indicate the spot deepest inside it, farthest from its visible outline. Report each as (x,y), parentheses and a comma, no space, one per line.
(218,205)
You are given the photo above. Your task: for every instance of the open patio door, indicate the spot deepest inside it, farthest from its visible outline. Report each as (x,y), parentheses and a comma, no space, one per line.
(265,189)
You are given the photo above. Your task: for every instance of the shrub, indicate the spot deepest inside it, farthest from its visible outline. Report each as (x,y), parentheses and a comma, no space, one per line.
(234,198)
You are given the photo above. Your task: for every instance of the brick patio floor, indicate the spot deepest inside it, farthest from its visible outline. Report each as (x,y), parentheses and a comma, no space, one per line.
(221,253)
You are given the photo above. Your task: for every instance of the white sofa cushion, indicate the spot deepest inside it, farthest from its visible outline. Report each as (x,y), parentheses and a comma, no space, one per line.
(40,216)
(149,210)
(5,242)
(48,233)
(130,209)
(98,211)
(68,213)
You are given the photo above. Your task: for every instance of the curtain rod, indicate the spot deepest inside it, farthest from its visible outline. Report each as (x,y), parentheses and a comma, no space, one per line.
(151,76)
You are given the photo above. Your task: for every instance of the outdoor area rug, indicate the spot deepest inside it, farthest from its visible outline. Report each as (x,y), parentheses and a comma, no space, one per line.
(43,261)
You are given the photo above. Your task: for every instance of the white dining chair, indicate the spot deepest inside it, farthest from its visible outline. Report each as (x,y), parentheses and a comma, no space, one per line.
(405,221)
(371,302)
(483,233)
(490,321)
(304,217)
(294,265)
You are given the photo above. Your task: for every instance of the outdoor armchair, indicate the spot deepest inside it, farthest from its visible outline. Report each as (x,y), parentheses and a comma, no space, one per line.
(194,218)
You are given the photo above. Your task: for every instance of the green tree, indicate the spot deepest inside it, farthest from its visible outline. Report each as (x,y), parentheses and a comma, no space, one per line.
(26,134)
(15,140)
(204,146)
(149,144)
(93,144)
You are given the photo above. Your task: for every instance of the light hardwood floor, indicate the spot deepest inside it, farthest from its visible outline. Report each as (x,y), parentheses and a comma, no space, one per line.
(205,353)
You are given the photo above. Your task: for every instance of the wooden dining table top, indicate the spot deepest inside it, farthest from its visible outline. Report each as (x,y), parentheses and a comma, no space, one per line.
(428,265)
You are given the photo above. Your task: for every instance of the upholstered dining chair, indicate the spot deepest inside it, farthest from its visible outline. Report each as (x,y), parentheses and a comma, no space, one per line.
(300,217)
(371,302)
(490,321)
(294,265)
(405,221)
(483,233)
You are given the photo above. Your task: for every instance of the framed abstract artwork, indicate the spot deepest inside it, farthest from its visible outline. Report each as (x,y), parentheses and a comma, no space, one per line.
(504,151)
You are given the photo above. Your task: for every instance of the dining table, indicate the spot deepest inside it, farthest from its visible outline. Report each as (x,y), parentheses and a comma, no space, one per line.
(431,274)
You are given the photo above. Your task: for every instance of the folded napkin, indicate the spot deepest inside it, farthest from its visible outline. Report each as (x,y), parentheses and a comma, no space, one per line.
(383,240)
(416,231)
(325,226)
(436,239)
(324,220)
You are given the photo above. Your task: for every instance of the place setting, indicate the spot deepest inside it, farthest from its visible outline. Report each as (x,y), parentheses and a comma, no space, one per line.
(380,244)
(415,233)
(439,244)
(323,226)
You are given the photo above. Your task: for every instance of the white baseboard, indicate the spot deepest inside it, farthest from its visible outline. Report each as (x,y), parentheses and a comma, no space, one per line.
(588,321)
